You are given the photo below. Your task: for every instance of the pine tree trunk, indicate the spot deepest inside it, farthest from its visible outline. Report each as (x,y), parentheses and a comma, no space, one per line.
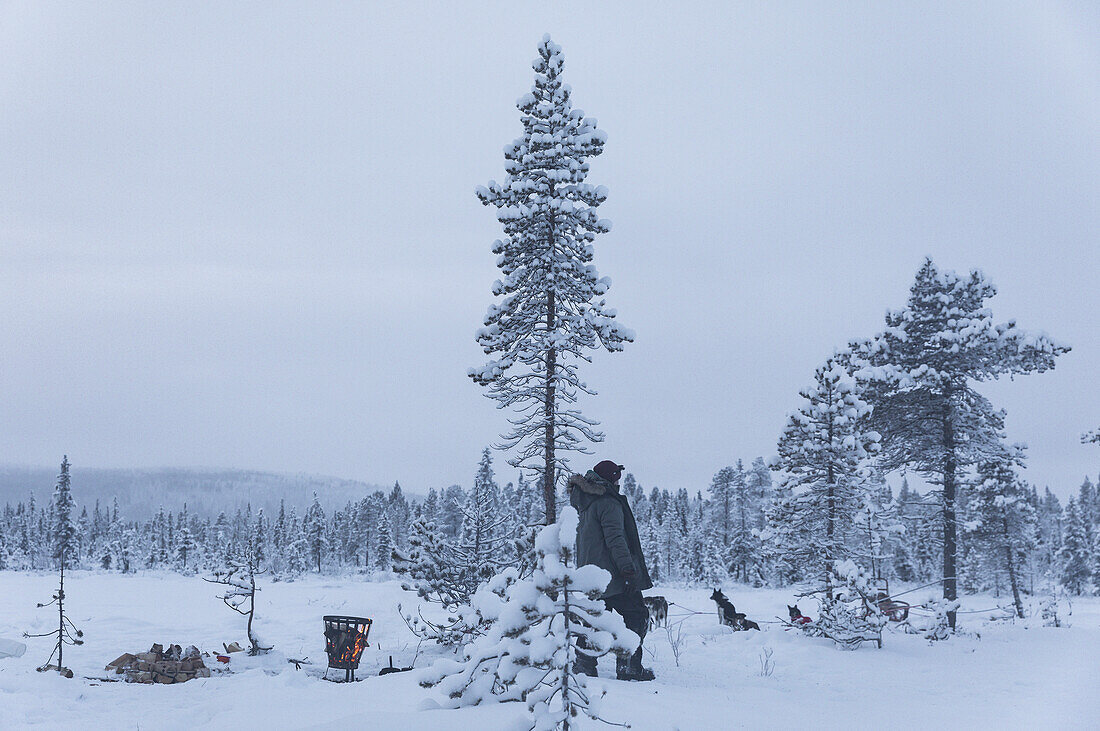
(830,522)
(950,534)
(254,649)
(1012,580)
(568,661)
(548,474)
(61,617)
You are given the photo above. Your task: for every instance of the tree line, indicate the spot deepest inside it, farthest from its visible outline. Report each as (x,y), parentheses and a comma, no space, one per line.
(743,527)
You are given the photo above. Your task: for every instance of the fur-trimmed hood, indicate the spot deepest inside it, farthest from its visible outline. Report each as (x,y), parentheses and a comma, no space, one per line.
(592,484)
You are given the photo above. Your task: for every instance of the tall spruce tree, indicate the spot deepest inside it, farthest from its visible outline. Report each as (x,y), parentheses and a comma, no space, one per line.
(552,310)
(921,371)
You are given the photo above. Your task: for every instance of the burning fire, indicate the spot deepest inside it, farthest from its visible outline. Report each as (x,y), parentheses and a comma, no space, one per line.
(345,648)
(345,640)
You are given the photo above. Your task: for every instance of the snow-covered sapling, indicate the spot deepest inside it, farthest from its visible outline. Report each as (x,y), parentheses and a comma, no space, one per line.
(767,665)
(675,633)
(943,613)
(64,550)
(239,578)
(848,614)
(538,627)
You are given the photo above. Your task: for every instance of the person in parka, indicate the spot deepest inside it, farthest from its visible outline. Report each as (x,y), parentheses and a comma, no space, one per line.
(607,536)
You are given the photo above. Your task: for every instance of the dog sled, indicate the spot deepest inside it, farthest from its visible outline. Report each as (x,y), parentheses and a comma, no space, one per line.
(892,609)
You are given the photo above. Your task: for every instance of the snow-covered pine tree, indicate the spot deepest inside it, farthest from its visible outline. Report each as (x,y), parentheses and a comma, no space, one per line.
(450,510)
(65,542)
(552,310)
(723,497)
(1096,563)
(428,568)
(185,540)
(671,537)
(1076,570)
(538,626)
(383,548)
(743,549)
(759,484)
(429,509)
(877,525)
(821,454)
(1003,522)
(482,545)
(400,515)
(921,370)
(314,530)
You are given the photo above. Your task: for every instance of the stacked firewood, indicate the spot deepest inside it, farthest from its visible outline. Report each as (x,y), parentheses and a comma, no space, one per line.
(174,665)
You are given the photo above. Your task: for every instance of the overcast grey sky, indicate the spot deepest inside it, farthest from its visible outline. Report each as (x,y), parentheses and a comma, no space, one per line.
(245,235)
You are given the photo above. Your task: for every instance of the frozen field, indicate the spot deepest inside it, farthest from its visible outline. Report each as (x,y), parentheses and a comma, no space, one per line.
(1015,676)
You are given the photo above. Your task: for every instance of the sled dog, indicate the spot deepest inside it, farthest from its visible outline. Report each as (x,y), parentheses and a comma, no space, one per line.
(658,611)
(728,614)
(797,617)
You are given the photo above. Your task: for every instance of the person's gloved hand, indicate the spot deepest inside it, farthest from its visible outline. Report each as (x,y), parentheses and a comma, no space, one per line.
(630,580)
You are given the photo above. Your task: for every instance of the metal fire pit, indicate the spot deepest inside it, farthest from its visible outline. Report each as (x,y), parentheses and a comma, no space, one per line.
(345,640)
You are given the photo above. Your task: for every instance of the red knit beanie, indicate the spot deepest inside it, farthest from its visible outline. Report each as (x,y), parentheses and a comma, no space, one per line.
(609,470)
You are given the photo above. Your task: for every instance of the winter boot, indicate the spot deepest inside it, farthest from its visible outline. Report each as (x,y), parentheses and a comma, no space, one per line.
(630,668)
(585,665)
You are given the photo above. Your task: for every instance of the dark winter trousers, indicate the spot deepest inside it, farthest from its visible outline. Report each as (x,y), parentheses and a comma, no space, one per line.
(635,616)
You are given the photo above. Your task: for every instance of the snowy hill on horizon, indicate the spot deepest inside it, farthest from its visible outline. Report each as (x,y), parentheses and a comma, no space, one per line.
(141,492)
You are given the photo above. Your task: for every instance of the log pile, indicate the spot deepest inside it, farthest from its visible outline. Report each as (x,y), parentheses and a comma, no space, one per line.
(174,665)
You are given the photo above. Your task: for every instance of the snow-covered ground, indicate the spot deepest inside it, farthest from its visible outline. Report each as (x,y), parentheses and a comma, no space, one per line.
(1015,676)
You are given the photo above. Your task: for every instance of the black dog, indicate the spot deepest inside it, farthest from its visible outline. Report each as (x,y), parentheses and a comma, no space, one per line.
(658,611)
(728,614)
(797,617)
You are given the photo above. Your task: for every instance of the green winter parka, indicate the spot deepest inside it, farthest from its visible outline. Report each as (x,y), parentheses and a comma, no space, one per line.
(607,534)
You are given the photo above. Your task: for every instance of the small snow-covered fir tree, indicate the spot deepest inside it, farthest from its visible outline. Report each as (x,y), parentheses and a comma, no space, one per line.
(552,310)
(538,627)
